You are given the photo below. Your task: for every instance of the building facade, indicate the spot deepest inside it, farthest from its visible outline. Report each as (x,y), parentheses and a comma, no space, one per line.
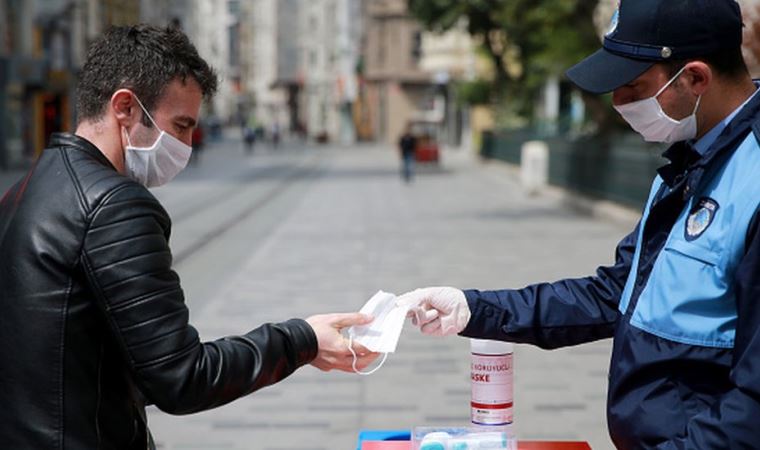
(264,105)
(288,61)
(448,58)
(214,27)
(408,75)
(330,59)
(42,48)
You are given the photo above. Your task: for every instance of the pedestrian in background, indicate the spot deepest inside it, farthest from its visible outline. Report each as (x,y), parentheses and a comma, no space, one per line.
(249,133)
(682,300)
(407,144)
(94,324)
(275,134)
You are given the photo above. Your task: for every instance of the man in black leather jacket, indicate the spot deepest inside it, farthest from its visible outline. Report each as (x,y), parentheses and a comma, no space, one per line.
(94,324)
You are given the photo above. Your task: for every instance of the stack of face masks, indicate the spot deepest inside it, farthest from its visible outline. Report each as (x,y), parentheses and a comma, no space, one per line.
(474,441)
(382,334)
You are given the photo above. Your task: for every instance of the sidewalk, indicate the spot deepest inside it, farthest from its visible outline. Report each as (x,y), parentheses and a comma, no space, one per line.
(358,229)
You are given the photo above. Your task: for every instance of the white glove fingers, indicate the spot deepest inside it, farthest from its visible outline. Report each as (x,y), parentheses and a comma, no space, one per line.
(427,315)
(438,311)
(412,299)
(422,315)
(432,328)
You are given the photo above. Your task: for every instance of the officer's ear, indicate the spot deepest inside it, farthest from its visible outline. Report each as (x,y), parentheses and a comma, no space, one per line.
(698,77)
(124,107)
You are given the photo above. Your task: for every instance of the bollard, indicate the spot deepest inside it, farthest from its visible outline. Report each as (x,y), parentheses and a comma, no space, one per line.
(534,166)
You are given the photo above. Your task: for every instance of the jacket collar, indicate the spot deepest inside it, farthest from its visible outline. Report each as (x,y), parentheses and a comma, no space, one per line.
(683,157)
(79,143)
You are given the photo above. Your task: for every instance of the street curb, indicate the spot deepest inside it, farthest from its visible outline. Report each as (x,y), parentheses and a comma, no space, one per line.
(602,209)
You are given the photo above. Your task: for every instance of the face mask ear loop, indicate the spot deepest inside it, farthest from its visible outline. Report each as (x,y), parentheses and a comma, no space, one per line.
(147,113)
(129,141)
(353,364)
(662,89)
(696,107)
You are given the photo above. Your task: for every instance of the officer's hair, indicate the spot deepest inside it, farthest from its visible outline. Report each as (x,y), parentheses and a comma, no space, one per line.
(142,58)
(728,64)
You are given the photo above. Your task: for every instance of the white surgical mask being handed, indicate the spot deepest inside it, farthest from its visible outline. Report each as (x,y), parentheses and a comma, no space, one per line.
(382,334)
(158,164)
(650,121)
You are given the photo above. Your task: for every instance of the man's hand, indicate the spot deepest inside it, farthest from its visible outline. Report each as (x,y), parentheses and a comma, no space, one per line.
(333,347)
(438,311)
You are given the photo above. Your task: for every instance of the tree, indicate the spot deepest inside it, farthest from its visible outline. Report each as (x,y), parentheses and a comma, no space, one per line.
(527,40)
(483,22)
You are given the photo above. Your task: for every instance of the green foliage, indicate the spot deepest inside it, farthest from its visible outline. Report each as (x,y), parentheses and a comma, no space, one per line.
(441,15)
(527,40)
(476,92)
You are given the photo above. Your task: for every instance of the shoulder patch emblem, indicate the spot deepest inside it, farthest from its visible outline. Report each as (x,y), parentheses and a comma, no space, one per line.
(700,218)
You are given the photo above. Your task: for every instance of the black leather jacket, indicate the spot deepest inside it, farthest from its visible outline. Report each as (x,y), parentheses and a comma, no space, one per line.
(94,323)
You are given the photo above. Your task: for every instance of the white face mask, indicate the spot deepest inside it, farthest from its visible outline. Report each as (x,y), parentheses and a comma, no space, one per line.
(649,120)
(382,334)
(158,164)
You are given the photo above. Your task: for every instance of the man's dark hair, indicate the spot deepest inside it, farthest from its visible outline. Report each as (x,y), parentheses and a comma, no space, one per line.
(726,63)
(144,59)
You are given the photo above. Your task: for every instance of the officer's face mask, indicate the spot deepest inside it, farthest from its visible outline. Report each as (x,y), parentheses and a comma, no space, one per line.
(382,334)
(648,119)
(158,164)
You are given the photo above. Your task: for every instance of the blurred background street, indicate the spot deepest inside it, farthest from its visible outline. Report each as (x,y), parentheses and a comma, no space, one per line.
(294,203)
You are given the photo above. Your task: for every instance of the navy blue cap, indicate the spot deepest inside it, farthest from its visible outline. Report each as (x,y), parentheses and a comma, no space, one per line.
(645,32)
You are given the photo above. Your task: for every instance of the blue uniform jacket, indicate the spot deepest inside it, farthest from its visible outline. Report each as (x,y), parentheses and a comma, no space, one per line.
(682,302)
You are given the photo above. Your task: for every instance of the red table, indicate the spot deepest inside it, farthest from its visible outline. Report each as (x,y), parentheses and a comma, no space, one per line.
(521,445)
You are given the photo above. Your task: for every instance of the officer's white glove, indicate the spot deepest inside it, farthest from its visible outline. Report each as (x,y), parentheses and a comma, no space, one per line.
(438,311)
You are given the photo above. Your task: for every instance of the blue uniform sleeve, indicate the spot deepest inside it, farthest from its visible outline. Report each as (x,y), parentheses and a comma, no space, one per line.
(552,315)
(733,421)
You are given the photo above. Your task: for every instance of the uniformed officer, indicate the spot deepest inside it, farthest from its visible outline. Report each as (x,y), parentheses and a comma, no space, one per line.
(682,300)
